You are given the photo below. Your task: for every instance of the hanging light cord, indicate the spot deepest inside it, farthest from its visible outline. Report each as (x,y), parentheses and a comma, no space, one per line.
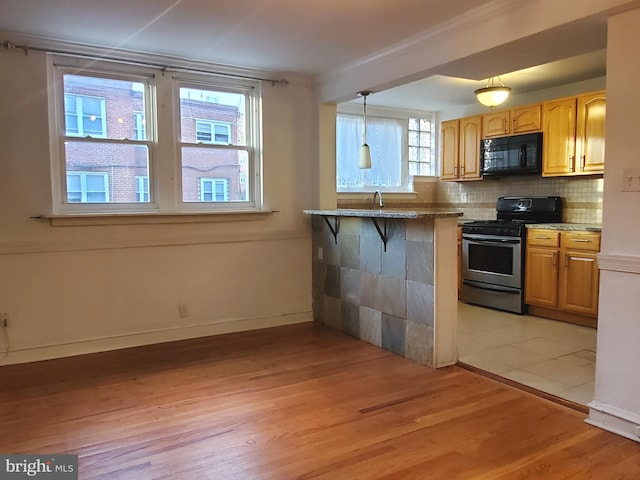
(364,136)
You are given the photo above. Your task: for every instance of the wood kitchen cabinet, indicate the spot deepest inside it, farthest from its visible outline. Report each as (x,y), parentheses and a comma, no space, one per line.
(461,149)
(574,135)
(512,122)
(592,109)
(562,275)
(579,273)
(541,271)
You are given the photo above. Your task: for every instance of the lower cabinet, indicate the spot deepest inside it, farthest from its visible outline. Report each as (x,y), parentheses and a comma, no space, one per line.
(562,275)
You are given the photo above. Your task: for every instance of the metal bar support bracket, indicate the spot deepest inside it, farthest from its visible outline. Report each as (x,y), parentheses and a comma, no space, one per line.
(335,228)
(383,234)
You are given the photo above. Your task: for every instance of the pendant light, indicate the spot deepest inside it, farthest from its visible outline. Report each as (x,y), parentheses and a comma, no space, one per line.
(493,94)
(365,152)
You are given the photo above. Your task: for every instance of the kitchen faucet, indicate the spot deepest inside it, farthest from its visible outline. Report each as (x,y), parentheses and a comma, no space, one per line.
(377,193)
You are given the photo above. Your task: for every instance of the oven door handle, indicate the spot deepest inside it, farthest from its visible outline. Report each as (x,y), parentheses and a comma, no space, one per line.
(497,240)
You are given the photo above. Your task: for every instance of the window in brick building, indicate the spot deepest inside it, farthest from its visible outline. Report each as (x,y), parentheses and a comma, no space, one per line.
(139,132)
(84,116)
(87,187)
(105,130)
(213,132)
(142,189)
(214,190)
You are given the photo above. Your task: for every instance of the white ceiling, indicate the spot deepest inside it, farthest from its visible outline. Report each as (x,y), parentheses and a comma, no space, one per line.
(310,37)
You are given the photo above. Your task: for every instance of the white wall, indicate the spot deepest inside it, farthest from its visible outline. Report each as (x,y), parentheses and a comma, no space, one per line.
(84,288)
(617,396)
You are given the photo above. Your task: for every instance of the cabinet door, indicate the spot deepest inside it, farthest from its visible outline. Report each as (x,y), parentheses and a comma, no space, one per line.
(559,143)
(495,124)
(541,278)
(526,119)
(590,132)
(579,277)
(470,135)
(450,153)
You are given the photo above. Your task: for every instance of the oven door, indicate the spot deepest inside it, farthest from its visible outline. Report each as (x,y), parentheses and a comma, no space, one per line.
(492,260)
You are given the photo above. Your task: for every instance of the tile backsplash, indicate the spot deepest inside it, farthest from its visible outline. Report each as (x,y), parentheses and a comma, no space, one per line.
(582,196)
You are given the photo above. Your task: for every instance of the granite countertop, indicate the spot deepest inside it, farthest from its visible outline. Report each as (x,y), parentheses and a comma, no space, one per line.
(386,213)
(588,227)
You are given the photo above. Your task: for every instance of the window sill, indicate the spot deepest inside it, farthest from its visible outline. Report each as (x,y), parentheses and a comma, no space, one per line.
(146,218)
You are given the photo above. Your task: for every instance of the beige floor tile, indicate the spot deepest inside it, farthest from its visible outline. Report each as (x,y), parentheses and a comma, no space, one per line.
(580,394)
(478,342)
(545,346)
(486,362)
(507,355)
(586,354)
(570,375)
(552,356)
(535,381)
(575,359)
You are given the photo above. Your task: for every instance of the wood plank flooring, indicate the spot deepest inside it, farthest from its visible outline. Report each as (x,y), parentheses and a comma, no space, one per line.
(296,402)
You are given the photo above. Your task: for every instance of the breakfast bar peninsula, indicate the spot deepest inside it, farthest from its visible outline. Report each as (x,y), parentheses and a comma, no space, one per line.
(389,277)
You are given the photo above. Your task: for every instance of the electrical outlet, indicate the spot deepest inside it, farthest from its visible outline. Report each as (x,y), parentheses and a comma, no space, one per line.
(4,319)
(463,197)
(631,179)
(182,310)
(320,253)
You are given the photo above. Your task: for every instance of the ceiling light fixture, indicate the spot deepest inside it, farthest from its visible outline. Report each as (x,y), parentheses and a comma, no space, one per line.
(365,153)
(494,93)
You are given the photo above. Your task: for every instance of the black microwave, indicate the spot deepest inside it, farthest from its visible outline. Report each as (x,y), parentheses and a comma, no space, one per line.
(514,155)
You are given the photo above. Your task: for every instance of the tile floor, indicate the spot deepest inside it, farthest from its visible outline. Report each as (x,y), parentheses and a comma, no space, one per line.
(555,357)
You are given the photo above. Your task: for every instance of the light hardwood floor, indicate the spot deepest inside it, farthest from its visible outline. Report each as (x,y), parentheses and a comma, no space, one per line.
(301,401)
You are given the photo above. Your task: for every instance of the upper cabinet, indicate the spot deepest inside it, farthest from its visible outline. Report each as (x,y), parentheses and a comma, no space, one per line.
(572,143)
(461,149)
(573,128)
(512,122)
(590,132)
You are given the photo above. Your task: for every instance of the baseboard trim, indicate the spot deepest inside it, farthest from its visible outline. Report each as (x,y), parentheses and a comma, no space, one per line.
(217,327)
(614,419)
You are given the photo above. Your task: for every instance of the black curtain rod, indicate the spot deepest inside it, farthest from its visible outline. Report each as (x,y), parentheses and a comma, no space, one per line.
(7,45)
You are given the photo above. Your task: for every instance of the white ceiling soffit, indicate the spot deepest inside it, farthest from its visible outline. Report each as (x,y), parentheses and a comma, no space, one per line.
(545,60)
(439,92)
(303,36)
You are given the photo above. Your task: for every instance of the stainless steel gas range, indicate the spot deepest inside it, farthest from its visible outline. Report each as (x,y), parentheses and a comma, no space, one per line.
(493,251)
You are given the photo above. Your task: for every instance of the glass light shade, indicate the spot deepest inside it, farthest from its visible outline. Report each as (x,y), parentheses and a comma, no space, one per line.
(365,157)
(492,96)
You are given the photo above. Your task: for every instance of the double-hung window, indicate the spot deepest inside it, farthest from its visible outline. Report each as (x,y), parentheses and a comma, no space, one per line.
(102,145)
(217,141)
(400,144)
(108,158)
